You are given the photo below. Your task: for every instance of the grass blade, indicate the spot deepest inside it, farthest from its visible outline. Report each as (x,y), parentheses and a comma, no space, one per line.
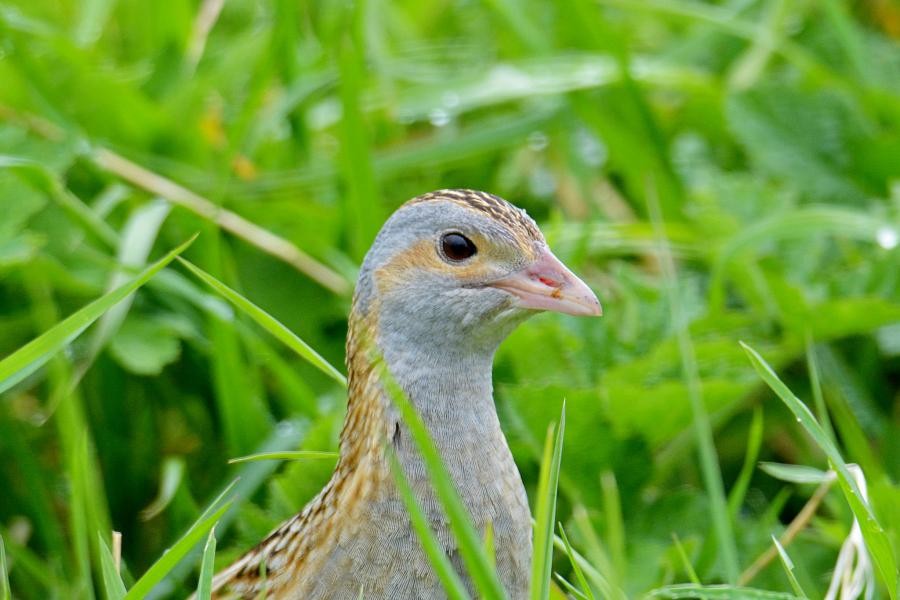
(685,561)
(597,565)
(571,589)
(615,523)
(607,589)
(876,539)
(718,592)
(170,479)
(815,383)
(545,518)
(576,568)
(285,455)
(269,323)
(167,561)
(754,442)
(794,473)
(788,565)
(113,587)
(35,353)
(5,593)
(207,567)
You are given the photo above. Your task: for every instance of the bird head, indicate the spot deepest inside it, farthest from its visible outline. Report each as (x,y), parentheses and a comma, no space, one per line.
(459,269)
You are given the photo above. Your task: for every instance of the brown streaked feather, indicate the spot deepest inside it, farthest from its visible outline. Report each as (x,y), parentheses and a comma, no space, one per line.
(299,544)
(515,218)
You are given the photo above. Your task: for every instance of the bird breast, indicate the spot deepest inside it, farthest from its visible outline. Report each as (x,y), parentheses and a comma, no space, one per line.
(382,551)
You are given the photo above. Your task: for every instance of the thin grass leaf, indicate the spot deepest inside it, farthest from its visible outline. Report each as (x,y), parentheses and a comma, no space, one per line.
(92,16)
(443,568)
(113,587)
(718,592)
(876,540)
(788,565)
(169,480)
(285,455)
(167,561)
(207,567)
(615,524)
(269,323)
(571,589)
(34,354)
(87,500)
(219,501)
(468,540)
(754,443)
(815,383)
(597,574)
(685,561)
(5,593)
(576,568)
(236,383)
(49,182)
(794,473)
(548,481)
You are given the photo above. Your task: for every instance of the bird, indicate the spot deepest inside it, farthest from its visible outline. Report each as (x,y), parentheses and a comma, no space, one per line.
(447,278)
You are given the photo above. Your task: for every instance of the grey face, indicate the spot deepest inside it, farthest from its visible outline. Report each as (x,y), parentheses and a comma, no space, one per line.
(429,298)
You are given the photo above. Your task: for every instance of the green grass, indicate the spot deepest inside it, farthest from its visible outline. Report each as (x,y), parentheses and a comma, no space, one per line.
(718,171)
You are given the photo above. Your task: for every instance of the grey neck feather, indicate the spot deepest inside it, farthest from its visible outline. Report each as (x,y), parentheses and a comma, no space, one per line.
(449,384)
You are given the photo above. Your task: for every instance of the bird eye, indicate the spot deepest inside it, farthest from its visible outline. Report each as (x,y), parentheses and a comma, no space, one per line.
(457,247)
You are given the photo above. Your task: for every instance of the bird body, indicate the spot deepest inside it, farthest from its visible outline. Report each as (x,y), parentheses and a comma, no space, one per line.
(448,277)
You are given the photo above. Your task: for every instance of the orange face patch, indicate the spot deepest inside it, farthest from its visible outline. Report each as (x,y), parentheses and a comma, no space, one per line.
(422,256)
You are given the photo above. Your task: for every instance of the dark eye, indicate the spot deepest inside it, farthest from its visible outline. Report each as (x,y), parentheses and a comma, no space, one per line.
(456,246)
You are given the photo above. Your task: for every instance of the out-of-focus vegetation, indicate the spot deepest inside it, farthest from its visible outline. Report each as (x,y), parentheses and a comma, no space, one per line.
(718,172)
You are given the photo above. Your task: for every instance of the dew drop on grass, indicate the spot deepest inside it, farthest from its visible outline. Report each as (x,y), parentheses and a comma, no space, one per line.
(592,151)
(537,141)
(286,428)
(439,117)
(887,238)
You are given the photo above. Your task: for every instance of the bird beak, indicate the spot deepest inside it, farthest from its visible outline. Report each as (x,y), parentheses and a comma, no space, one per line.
(546,284)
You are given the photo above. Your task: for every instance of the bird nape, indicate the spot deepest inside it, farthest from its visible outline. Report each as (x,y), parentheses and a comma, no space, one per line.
(448,277)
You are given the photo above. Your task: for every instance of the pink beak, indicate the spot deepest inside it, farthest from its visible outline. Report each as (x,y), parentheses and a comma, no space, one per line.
(546,284)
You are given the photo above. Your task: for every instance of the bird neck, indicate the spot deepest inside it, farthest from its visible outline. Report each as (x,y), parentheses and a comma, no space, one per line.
(450,387)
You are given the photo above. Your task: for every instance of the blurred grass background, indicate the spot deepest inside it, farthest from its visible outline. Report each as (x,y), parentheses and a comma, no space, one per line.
(717,171)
